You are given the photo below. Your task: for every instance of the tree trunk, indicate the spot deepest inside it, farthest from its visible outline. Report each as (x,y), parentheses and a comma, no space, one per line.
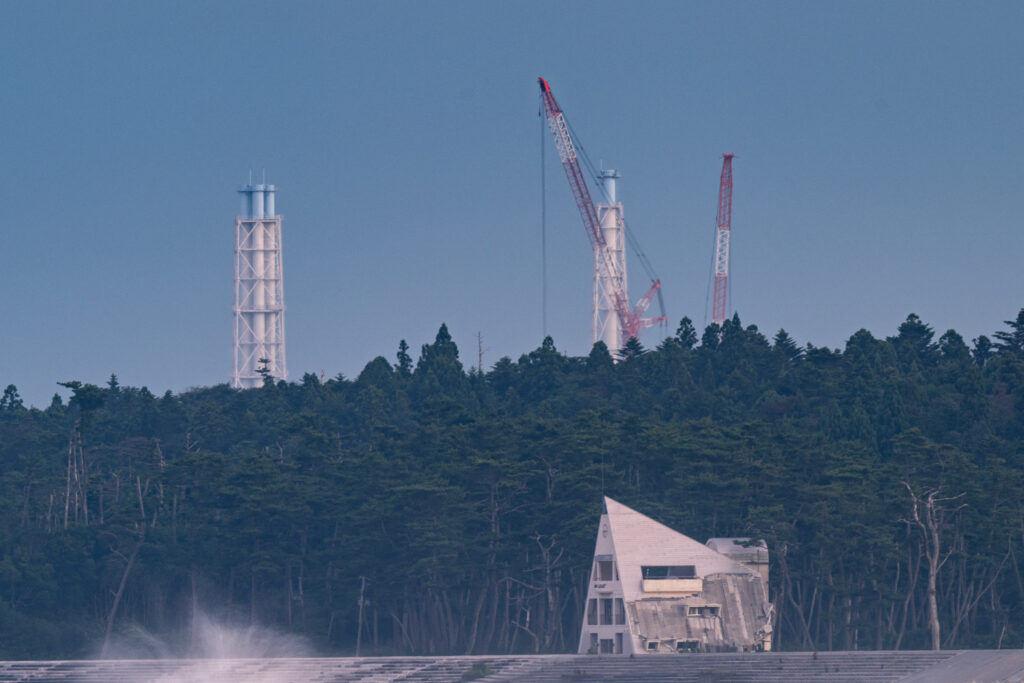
(929,512)
(359,624)
(194,635)
(933,606)
(67,490)
(117,597)
(83,481)
(25,506)
(471,639)
(288,592)
(142,506)
(252,596)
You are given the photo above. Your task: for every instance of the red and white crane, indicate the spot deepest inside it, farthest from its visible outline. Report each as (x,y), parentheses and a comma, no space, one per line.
(614,321)
(724,230)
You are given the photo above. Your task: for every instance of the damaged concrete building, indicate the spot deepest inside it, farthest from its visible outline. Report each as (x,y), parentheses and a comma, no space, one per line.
(653,589)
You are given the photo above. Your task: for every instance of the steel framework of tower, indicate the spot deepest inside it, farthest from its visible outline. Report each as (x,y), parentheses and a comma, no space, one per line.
(259,290)
(614,322)
(724,230)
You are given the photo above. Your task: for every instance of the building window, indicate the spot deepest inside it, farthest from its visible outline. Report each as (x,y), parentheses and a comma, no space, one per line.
(604,570)
(687,645)
(606,610)
(593,642)
(652,645)
(620,612)
(685,571)
(607,646)
(703,611)
(618,643)
(592,612)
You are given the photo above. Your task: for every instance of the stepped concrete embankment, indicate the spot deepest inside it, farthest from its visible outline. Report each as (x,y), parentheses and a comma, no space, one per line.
(979,666)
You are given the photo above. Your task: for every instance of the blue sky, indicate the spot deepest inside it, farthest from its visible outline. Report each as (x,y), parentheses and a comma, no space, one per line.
(878,172)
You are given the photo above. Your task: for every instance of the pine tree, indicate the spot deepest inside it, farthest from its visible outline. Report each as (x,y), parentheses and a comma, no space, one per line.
(1012,341)
(686,334)
(982,350)
(404,366)
(631,349)
(11,401)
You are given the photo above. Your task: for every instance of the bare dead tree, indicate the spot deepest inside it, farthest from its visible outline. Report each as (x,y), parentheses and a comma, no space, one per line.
(929,512)
(129,563)
(67,490)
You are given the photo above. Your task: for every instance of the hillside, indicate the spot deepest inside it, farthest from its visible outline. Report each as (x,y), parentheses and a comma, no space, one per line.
(469,500)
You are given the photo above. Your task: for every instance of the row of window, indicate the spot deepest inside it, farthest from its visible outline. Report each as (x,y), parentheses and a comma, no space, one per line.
(605,569)
(612,611)
(703,611)
(680,646)
(613,645)
(606,611)
(685,571)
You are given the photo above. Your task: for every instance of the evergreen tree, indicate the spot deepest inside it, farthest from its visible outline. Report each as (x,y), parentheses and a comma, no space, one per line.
(982,350)
(914,341)
(686,334)
(263,370)
(1011,341)
(952,347)
(404,366)
(631,349)
(785,345)
(599,358)
(711,338)
(11,401)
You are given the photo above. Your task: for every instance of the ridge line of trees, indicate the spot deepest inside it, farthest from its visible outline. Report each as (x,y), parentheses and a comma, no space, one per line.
(421,508)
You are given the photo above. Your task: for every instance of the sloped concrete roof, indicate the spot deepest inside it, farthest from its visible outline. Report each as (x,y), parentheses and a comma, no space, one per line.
(640,541)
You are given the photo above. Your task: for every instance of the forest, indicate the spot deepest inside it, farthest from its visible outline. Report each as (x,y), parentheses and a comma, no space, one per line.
(426,508)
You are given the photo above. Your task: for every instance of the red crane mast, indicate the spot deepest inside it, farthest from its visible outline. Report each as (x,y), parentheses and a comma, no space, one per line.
(723,233)
(630,321)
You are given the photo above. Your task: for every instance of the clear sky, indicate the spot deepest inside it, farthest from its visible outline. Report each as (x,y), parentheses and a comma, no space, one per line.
(878,172)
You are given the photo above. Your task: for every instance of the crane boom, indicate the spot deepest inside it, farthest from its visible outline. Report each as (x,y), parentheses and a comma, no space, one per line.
(722,235)
(571,164)
(630,320)
(645,302)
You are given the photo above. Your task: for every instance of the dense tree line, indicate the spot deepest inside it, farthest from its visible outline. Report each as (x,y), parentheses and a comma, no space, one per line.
(455,511)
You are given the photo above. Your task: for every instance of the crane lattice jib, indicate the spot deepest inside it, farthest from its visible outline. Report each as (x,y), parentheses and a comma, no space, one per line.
(629,321)
(643,304)
(723,233)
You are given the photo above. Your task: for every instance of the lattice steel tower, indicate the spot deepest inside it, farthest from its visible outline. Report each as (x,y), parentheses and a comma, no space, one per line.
(259,289)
